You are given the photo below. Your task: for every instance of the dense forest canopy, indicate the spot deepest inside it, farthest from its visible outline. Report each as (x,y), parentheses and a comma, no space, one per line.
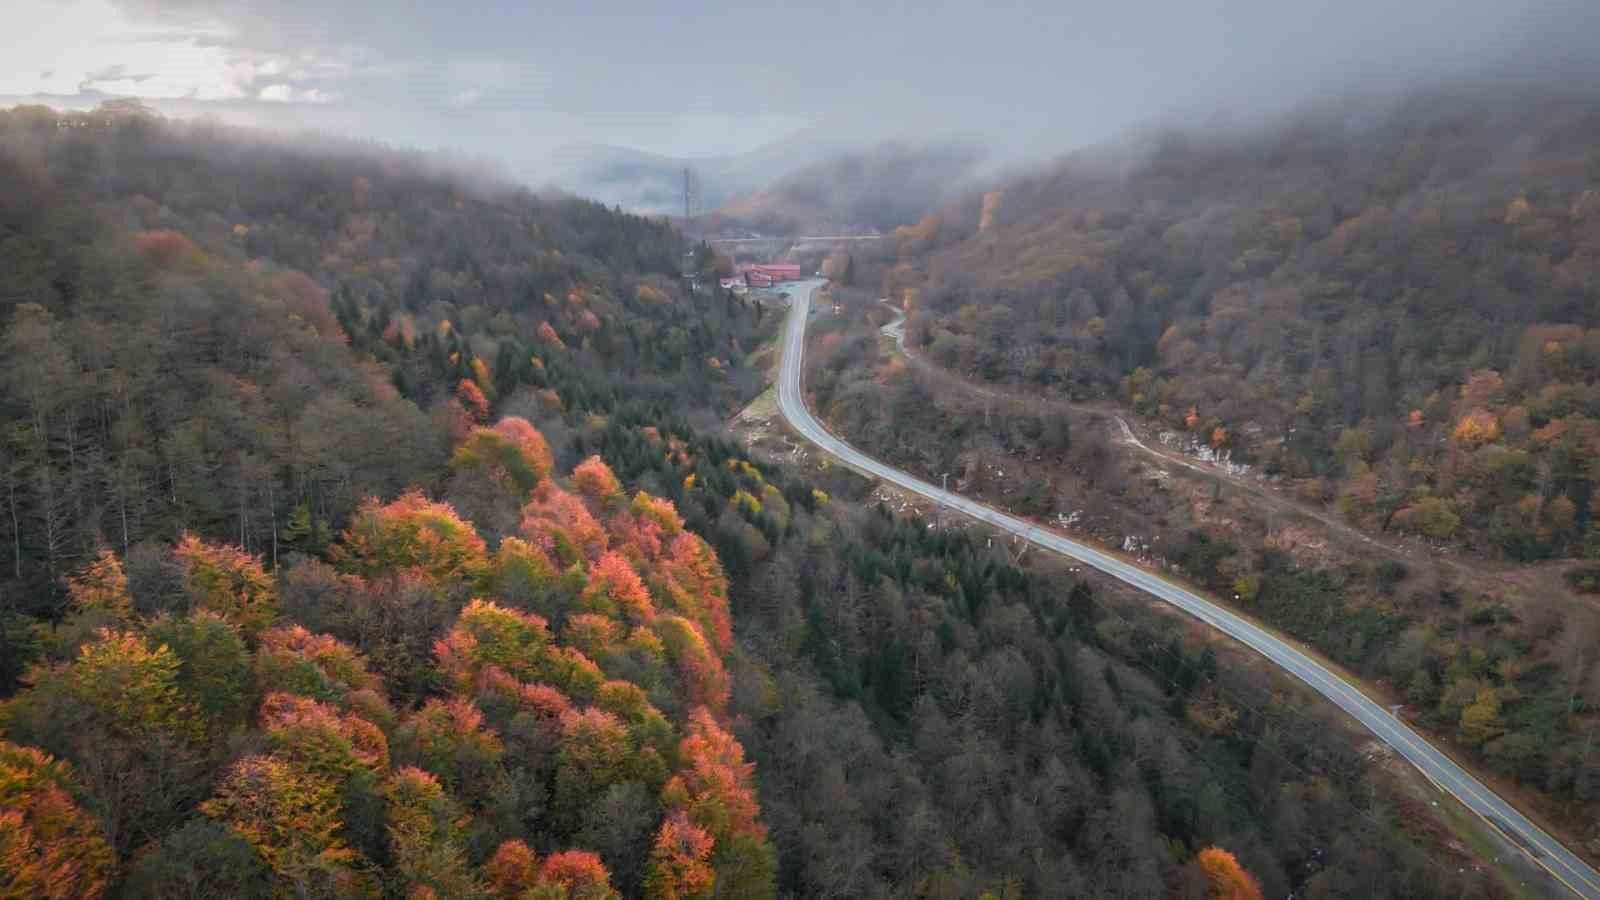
(182,303)
(1392,301)
(364,535)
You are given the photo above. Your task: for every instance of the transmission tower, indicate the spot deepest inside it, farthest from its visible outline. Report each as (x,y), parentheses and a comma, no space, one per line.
(691,194)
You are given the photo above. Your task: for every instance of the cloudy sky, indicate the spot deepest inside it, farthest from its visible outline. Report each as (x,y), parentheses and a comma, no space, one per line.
(510,80)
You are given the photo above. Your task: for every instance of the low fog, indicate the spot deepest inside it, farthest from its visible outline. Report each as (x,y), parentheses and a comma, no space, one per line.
(533,89)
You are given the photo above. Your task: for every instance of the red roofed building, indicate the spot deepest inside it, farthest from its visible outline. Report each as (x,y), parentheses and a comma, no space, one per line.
(768,274)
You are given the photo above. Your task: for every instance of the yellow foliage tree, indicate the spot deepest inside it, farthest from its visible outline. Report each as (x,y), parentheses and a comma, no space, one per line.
(101,585)
(290,817)
(1477,428)
(1480,721)
(228,582)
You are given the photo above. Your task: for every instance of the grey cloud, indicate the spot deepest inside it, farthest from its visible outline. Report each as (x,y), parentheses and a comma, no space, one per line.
(1028,75)
(117,72)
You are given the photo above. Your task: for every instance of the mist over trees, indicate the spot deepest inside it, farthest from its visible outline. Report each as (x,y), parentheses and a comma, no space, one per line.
(875,189)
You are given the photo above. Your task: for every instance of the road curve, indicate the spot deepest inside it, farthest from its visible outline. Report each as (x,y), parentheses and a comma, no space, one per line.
(1549,853)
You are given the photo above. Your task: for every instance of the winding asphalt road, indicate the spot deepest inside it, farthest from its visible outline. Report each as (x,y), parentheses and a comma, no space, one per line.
(1549,853)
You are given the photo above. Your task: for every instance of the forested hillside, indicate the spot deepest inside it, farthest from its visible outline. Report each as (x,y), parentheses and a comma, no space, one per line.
(363,536)
(181,303)
(1393,303)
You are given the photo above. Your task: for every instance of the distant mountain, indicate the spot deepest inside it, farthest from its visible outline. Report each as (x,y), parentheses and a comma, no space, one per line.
(876,188)
(651,183)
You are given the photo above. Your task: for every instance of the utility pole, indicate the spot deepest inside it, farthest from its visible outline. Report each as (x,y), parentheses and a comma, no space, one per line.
(690,189)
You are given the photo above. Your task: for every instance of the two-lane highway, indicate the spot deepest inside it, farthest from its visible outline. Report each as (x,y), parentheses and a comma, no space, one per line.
(1548,852)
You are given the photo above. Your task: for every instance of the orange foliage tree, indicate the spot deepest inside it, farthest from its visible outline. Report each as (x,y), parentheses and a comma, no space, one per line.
(561,525)
(615,588)
(489,639)
(134,685)
(521,432)
(591,633)
(512,871)
(303,297)
(487,634)
(549,336)
(704,679)
(680,863)
(49,848)
(1476,428)
(168,249)
(595,480)
(575,875)
(715,789)
(1229,880)
(647,526)
(318,738)
(473,400)
(659,510)
(692,562)
(482,376)
(447,737)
